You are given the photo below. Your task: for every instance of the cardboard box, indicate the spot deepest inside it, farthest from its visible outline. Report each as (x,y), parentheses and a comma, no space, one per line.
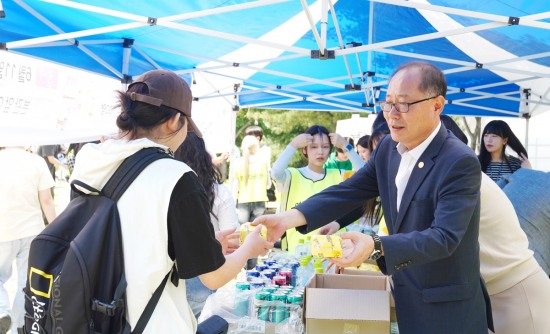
(347,303)
(393,317)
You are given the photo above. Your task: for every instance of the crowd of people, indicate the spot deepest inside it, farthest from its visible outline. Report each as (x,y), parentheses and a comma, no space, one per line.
(462,236)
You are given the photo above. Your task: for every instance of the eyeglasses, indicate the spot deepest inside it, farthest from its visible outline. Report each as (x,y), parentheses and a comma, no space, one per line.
(401,107)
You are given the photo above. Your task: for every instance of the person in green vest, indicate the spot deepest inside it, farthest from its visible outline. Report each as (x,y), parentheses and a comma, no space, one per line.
(298,184)
(344,157)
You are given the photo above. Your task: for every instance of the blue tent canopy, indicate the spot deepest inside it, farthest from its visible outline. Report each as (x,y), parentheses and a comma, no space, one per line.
(315,55)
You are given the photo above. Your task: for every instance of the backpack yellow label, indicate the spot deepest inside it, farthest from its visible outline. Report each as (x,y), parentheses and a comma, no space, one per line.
(40,283)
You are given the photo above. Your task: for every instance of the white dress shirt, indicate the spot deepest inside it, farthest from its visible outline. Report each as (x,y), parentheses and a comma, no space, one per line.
(408,160)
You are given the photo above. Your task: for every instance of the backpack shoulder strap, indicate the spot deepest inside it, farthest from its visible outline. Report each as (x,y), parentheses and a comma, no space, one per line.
(130,169)
(150,307)
(126,173)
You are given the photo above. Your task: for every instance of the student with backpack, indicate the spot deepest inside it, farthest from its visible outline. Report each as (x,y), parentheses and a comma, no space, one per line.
(164,213)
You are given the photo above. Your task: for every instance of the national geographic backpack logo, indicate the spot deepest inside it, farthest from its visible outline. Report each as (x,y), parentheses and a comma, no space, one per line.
(40,283)
(56,308)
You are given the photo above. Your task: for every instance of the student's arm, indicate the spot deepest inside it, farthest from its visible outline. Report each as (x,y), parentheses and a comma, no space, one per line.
(355,159)
(54,161)
(280,165)
(341,143)
(47,204)
(253,246)
(191,238)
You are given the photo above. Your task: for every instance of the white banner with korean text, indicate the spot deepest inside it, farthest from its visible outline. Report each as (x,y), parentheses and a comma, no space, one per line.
(44,103)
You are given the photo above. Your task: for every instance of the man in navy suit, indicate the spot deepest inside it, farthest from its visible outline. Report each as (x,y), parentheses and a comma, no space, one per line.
(428,182)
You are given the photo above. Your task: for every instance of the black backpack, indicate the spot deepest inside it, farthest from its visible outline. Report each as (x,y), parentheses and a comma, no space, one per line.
(75,278)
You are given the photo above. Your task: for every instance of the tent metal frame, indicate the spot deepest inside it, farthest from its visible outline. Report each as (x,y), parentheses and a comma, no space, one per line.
(292,92)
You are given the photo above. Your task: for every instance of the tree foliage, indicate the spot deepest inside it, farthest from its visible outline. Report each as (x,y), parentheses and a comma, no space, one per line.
(472,126)
(281,126)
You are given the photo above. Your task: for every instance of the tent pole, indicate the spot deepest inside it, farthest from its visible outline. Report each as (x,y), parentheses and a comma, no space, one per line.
(126,52)
(527,133)
(324,22)
(527,116)
(369,53)
(318,39)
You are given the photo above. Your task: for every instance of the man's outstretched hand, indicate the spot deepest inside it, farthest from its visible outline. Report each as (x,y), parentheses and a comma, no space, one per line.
(278,223)
(356,249)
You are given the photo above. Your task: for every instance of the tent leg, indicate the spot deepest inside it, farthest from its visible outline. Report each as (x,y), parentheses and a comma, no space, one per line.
(527,133)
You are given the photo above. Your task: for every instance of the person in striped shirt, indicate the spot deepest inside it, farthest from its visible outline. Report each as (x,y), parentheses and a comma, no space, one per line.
(494,161)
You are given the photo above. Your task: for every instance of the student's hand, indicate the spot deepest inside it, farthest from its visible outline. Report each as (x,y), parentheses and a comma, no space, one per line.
(356,249)
(226,239)
(233,242)
(525,163)
(249,143)
(301,140)
(329,228)
(337,140)
(255,244)
(217,160)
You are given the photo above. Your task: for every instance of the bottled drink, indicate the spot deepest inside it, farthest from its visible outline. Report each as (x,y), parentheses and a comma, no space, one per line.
(307,244)
(305,271)
(318,266)
(300,250)
(294,265)
(279,280)
(287,272)
(241,299)
(279,311)
(261,309)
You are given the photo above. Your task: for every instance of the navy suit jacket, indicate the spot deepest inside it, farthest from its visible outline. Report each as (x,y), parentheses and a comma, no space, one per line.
(432,251)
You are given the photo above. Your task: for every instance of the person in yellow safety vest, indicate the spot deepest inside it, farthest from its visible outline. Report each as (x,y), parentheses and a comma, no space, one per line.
(298,184)
(251,180)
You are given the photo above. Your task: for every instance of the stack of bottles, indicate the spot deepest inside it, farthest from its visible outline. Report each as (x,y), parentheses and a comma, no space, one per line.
(276,304)
(274,290)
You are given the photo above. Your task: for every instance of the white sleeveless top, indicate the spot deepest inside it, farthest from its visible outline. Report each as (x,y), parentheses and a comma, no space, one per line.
(146,266)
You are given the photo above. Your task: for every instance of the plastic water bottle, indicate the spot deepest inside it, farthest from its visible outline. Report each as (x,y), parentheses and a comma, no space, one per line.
(241,302)
(318,266)
(300,250)
(307,244)
(305,271)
